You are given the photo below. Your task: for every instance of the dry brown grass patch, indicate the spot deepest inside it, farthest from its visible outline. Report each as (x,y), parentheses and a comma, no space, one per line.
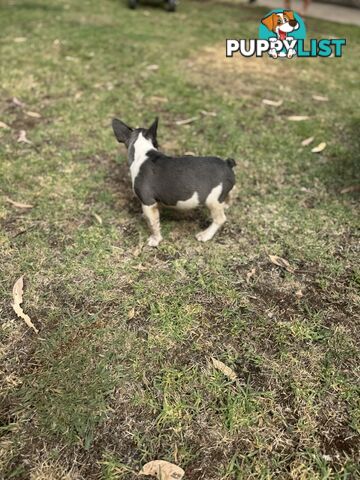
(211,68)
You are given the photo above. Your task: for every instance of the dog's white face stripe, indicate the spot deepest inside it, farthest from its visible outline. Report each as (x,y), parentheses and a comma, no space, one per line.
(285,25)
(141,147)
(188,204)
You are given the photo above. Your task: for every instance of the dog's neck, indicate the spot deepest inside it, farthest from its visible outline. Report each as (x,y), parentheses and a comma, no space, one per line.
(138,153)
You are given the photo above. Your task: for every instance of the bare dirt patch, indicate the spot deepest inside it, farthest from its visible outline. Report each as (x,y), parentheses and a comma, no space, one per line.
(213,69)
(116,180)
(302,294)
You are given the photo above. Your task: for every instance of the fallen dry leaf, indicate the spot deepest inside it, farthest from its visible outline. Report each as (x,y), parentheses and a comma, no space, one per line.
(22,137)
(250,274)
(298,118)
(272,103)
(131,313)
(17,102)
(98,218)
(320,98)
(137,250)
(17,297)
(152,68)
(4,125)
(33,114)
(352,188)
(141,268)
(281,262)
(307,141)
(155,98)
(18,204)
(78,95)
(227,371)
(162,470)
(319,148)
(208,114)
(299,293)
(187,121)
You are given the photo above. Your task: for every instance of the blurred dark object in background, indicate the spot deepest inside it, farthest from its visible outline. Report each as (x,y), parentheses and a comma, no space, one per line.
(170,5)
(343,3)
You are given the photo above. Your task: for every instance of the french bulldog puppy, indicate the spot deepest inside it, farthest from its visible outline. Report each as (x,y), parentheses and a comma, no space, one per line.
(183,182)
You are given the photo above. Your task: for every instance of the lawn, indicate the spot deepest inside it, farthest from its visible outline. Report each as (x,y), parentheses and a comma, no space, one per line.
(120,372)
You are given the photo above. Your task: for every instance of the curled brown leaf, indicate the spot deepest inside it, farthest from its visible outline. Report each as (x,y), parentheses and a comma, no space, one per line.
(33,114)
(320,98)
(187,121)
(18,204)
(18,298)
(250,274)
(97,218)
(163,470)
(352,188)
(298,118)
(23,138)
(307,141)
(272,103)
(227,371)
(17,102)
(208,114)
(320,148)
(281,262)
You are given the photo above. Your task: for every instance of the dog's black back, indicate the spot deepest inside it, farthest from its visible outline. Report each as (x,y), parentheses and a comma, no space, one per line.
(169,180)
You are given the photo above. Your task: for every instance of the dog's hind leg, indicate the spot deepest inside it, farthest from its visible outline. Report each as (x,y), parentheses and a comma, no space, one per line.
(219,218)
(152,216)
(230,197)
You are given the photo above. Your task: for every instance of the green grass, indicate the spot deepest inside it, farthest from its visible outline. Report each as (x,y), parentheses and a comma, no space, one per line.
(120,372)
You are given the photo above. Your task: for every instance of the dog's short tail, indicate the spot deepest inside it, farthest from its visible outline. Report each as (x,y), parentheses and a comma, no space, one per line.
(231,162)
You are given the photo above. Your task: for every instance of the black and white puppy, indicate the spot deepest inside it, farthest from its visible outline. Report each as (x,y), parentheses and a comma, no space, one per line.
(181,182)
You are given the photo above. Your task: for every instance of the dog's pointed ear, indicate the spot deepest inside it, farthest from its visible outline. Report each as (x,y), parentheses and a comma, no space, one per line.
(152,131)
(270,22)
(121,130)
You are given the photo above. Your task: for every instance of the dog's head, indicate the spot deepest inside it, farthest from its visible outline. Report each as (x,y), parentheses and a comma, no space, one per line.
(281,23)
(129,136)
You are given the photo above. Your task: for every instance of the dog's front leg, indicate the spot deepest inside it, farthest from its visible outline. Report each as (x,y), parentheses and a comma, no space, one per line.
(152,216)
(291,53)
(273,53)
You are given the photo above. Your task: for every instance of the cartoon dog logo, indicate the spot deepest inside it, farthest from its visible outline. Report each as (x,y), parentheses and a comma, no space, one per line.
(281,23)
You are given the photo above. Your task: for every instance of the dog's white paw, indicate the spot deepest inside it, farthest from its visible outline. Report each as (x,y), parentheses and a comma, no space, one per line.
(291,53)
(203,236)
(273,53)
(154,241)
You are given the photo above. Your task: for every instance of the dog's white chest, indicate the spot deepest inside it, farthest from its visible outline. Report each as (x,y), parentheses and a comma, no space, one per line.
(141,148)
